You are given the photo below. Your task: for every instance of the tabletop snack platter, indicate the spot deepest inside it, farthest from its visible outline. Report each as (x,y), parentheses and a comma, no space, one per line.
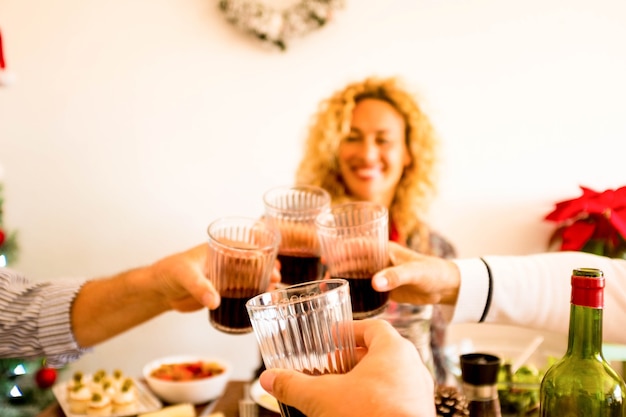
(144,401)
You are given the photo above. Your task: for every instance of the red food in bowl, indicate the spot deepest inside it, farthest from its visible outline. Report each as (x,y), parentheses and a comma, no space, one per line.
(187,378)
(187,371)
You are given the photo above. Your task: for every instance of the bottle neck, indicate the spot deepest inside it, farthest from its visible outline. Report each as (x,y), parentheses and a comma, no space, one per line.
(585,331)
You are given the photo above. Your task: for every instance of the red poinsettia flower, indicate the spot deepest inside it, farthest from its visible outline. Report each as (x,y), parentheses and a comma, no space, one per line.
(594,222)
(2,237)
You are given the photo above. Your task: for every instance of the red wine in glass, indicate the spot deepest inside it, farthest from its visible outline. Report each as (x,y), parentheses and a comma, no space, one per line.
(231,315)
(299,267)
(366,301)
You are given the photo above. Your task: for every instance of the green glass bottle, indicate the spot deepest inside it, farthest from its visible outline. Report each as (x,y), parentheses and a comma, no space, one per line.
(583,383)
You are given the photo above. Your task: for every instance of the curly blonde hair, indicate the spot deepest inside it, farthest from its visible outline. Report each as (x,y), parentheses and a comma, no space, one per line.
(331,124)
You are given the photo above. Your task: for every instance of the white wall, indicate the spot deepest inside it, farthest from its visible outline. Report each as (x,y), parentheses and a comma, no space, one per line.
(135,123)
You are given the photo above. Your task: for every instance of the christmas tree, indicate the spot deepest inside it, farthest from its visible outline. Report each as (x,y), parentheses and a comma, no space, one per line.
(8,240)
(24,384)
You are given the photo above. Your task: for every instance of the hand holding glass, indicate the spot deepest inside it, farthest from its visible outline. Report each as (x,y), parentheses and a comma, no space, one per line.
(306,327)
(242,253)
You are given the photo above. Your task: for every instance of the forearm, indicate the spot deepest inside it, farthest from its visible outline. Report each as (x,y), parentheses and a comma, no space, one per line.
(109,306)
(534,291)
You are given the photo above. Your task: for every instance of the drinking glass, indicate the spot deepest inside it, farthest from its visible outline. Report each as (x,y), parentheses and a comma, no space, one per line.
(354,239)
(292,209)
(242,254)
(306,327)
(413,322)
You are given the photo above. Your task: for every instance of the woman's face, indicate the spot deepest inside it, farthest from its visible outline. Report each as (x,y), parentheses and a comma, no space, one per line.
(373,156)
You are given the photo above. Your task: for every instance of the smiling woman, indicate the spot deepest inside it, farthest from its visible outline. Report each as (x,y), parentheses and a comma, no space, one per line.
(373,156)
(371,141)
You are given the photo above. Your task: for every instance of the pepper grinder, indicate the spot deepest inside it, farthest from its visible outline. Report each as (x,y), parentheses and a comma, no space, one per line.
(479,372)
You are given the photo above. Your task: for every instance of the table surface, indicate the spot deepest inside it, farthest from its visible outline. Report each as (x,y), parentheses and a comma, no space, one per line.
(228,404)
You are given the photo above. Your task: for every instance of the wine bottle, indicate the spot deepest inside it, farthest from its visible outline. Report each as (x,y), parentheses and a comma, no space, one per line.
(583,383)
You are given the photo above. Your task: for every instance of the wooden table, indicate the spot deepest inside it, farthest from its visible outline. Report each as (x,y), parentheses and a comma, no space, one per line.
(228,404)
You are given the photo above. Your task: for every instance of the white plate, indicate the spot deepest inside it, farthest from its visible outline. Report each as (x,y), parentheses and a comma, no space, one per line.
(263,398)
(146,400)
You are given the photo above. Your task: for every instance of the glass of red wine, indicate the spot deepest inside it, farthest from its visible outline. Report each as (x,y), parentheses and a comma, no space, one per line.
(242,254)
(292,209)
(354,242)
(306,327)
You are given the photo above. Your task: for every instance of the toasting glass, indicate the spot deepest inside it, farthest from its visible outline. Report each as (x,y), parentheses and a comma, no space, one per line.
(354,240)
(306,327)
(242,254)
(292,210)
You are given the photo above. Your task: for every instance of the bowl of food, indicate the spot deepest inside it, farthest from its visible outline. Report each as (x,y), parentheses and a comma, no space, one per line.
(187,378)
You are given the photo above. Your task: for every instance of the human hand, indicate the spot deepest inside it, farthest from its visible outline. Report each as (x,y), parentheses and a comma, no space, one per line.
(418,279)
(389,379)
(182,284)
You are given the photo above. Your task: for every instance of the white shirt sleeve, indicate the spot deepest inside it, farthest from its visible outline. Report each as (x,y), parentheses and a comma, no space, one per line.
(534,291)
(474,291)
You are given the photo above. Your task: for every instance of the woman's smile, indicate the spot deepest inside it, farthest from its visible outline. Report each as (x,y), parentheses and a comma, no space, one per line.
(373,156)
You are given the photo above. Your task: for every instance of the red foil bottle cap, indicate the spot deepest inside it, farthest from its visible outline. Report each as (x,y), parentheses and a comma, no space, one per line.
(588,288)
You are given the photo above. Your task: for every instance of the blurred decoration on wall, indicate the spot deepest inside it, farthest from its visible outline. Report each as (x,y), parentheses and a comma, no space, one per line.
(278,27)
(8,240)
(595,222)
(6,77)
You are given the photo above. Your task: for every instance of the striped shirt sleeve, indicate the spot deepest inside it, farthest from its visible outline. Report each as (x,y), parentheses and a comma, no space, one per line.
(35,319)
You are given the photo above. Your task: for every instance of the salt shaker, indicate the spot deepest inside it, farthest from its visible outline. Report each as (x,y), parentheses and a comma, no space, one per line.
(479,372)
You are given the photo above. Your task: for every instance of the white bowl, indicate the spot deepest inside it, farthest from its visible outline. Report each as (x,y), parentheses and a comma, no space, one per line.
(196,391)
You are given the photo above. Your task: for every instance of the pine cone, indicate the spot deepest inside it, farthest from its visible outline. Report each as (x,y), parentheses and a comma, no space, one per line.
(450,402)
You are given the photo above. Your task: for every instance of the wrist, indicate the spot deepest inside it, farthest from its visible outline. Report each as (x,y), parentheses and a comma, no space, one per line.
(450,294)
(145,286)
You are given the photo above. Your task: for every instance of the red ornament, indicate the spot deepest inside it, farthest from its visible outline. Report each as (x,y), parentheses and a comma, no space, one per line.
(45,377)
(2,237)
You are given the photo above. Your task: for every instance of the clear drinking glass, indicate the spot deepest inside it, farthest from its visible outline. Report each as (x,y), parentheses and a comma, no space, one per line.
(292,209)
(413,323)
(354,238)
(306,327)
(242,254)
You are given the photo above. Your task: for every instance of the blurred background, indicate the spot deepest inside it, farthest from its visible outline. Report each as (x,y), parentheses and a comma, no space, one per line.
(132,124)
